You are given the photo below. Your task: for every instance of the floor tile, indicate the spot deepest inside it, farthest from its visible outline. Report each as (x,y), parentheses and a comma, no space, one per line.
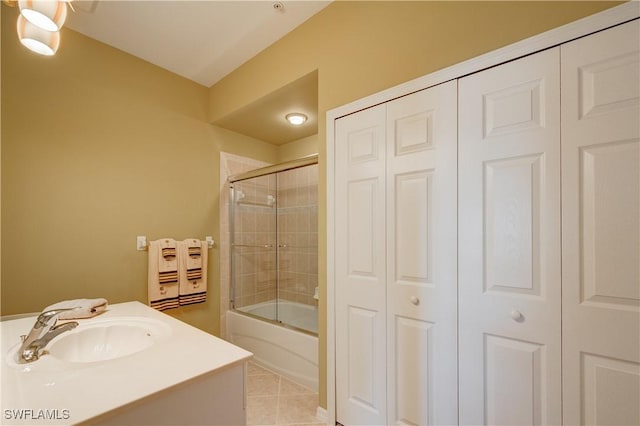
(274,400)
(262,410)
(263,385)
(297,409)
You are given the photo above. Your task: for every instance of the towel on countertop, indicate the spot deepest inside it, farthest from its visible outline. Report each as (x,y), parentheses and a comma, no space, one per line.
(193,254)
(163,277)
(84,308)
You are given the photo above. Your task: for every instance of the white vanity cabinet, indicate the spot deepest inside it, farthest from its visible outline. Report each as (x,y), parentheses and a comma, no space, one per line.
(487,242)
(101,375)
(217,398)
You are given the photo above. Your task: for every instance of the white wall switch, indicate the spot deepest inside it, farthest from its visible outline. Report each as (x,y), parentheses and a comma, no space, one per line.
(141,242)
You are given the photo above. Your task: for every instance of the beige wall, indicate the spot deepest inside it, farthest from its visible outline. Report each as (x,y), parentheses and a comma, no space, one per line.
(98,147)
(234,143)
(0,161)
(360,48)
(298,148)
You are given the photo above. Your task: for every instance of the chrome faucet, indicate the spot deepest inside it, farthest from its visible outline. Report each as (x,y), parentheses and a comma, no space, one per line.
(43,331)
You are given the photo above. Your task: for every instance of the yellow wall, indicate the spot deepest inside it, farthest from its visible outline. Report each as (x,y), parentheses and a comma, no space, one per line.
(0,160)
(298,148)
(360,48)
(98,147)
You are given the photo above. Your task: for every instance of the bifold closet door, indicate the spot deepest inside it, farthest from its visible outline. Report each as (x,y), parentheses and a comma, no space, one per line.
(421,258)
(601,228)
(360,268)
(509,243)
(396,347)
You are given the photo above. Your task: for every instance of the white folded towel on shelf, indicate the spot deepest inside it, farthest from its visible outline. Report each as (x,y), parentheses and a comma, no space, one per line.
(193,254)
(162,279)
(82,308)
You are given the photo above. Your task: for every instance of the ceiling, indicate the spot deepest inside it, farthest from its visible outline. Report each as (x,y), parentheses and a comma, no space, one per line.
(199,40)
(206,40)
(265,120)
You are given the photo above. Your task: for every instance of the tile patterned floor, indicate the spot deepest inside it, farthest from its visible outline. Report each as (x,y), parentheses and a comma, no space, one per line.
(273,400)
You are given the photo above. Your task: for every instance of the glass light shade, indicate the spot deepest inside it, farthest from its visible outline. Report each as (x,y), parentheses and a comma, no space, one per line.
(36,39)
(46,14)
(296,118)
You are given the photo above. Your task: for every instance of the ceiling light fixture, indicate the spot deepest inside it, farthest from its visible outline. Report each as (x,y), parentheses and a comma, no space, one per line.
(36,39)
(46,14)
(296,118)
(40,22)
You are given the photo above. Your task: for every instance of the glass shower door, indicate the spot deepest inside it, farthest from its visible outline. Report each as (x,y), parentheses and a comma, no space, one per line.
(274,246)
(254,246)
(297,236)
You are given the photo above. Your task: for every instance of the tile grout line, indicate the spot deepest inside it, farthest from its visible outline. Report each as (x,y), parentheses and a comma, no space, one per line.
(278,401)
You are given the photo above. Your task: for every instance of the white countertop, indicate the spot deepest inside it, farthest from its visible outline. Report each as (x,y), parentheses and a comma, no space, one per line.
(87,390)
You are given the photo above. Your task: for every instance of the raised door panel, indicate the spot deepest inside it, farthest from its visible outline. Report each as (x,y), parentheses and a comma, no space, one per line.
(610,187)
(421,257)
(512,224)
(413,239)
(611,391)
(360,268)
(361,228)
(509,233)
(362,363)
(413,346)
(601,227)
(514,381)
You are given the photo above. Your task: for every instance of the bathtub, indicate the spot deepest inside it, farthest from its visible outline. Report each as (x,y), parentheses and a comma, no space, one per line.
(292,353)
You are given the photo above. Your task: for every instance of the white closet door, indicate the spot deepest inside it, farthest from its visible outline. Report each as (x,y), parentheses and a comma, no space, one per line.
(360,268)
(509,243)
(601,228)
(421,258)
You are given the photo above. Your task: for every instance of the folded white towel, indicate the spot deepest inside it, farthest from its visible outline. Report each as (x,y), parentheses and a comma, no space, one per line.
(84,308)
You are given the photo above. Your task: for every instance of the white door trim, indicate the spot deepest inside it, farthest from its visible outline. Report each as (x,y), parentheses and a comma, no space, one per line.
(554,37)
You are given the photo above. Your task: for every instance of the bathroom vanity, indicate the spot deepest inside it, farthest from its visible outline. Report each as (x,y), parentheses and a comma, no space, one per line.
(129,365)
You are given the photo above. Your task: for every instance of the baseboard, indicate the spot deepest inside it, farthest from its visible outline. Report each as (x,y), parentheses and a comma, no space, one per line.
(321,414)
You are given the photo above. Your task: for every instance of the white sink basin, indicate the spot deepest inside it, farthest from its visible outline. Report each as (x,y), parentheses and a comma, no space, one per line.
(107,339)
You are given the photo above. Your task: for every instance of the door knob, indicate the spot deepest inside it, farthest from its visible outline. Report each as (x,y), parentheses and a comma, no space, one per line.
(516,315)
(414,300)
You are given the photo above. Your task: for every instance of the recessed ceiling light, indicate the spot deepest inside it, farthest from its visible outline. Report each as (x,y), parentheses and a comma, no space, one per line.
(296,118)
